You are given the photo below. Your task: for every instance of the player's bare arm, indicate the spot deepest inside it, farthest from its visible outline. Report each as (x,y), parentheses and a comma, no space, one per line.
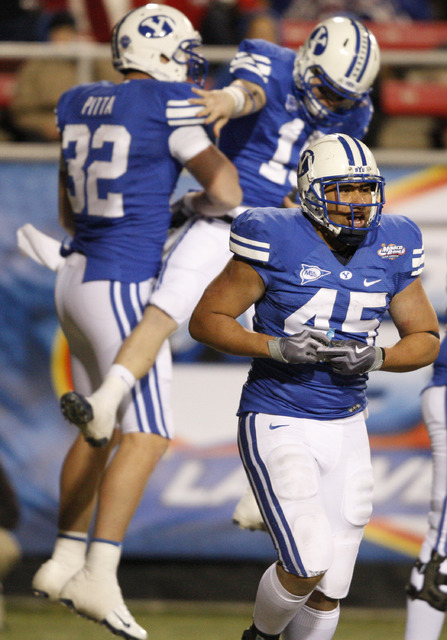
(240,98)
(219,178)
(66,218)
(214,321)
(417,323)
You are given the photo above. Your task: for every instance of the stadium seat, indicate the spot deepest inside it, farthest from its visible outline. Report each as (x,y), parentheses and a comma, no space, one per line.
(390,35)
(412,98)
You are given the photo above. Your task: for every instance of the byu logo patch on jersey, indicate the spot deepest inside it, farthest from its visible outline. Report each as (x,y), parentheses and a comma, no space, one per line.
(309,273)
(156,26)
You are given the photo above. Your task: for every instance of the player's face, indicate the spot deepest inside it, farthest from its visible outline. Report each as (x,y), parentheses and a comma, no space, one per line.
(329,98)
(350,194)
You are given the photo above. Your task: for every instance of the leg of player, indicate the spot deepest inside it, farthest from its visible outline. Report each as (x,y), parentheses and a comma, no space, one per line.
(94,591)
(96,415)
(81,474)
(10,551)
(316,620)
(427,589)
(427,598)
(280,595)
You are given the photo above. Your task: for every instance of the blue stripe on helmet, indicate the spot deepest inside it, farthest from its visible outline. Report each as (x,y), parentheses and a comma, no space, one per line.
(362,153)
(347,149)
(357,47)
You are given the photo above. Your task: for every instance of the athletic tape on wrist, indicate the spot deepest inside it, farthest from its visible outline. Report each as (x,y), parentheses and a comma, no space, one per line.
(238,96)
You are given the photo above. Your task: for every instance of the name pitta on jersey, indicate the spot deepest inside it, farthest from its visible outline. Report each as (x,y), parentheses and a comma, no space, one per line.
(309,273)
(391,251)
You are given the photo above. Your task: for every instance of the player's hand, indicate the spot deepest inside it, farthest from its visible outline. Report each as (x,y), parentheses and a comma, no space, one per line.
(217,107)
(290,200)
(352,357)
(299,348)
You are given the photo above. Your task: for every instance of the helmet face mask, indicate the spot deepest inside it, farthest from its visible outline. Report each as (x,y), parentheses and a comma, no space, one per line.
(160,41)
(331,167)
(342,56)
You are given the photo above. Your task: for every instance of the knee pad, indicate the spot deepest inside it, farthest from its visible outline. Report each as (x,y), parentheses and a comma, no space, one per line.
(428,583)
(337,580)
(295,482)
(313,538)
(358,499)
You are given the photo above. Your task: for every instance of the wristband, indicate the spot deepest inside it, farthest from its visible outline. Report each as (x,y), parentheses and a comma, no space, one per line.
(239,99)
(380,359)
(275,350)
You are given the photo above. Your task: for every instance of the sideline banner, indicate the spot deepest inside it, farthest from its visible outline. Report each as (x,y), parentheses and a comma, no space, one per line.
(187,507)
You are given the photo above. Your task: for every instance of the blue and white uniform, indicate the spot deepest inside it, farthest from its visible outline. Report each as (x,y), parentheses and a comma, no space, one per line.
(265,148)
(302,432)
(124,147)
(434,413)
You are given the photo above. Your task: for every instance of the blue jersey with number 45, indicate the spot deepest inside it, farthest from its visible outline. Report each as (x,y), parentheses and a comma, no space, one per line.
(121,174)
(266,146)
(306,284)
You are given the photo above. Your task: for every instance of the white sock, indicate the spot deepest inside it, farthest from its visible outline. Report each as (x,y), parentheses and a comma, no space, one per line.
(423,621)
(117,382)
(70,548)
(274,605)
(103,556)
(310,624)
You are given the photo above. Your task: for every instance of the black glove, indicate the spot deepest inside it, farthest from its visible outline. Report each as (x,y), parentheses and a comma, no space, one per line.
(182,210)
(352,357)
(300,348)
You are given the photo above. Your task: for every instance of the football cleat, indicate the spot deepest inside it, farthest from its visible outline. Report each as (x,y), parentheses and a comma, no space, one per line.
(253,634)
(247,514)
(99,598)
(50,579)
(97,429)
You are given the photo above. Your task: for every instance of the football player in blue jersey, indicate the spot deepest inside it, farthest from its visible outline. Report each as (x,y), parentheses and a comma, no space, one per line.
(332,268)
(123,148)
(427,589)
(287,100)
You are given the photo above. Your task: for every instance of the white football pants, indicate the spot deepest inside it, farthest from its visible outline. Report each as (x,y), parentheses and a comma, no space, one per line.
(313,483)
(96,317)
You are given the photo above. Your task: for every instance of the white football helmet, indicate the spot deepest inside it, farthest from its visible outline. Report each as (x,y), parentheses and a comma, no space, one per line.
(158,40)
(332,160)
(344,55)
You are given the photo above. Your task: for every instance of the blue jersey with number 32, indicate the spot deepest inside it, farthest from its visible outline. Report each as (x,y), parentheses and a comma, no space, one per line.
(305,284)
(121,174)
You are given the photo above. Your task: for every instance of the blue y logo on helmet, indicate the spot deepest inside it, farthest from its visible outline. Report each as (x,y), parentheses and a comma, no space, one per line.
(318,41)
(156,26)
(306,160)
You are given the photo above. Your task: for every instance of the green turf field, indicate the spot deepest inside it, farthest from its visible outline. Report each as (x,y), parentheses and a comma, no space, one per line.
(29,619)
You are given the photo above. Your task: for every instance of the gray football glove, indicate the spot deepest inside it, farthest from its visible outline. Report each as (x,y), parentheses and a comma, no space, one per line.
(352,357)
(300,348)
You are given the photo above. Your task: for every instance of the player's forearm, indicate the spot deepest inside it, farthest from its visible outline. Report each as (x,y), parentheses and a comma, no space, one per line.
(247,98)
(411,352)
(227,335)
(205,205)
